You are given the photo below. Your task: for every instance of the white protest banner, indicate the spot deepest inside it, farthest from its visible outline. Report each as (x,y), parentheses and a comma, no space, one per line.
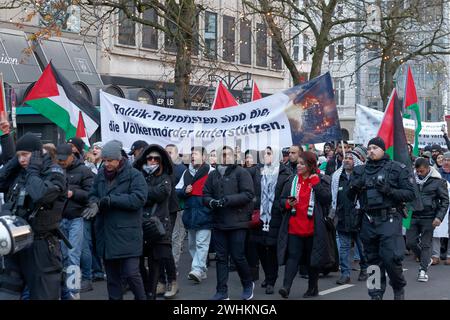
(368,122)
(302,114)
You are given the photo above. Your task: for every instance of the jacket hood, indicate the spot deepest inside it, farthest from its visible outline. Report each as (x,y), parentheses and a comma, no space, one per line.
(435,173)
(165,158)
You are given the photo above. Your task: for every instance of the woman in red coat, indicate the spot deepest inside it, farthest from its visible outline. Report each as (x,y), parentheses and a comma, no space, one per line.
(305,198)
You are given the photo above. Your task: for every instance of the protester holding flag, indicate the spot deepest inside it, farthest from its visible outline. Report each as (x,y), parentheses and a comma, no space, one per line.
(305,200)
(434,197)
(382,186)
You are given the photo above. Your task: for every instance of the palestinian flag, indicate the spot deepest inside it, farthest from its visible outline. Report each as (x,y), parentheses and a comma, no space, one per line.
(56,99)
(412,104)
(393,134)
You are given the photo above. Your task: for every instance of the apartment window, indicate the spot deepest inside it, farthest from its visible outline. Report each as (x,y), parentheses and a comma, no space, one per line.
(296,48)
(331,52)
(339,92)
(169,41)
(429,108)
(211,35)
(261,45)
(229,36)
(245,42)
(276,56)
(150,34)
(340,48)
(127,29)
(374,75)
(305,47)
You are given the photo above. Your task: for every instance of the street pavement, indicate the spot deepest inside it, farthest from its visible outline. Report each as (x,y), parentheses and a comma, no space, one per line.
(437,287)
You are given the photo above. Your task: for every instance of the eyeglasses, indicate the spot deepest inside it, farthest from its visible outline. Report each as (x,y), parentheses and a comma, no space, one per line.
(151,158)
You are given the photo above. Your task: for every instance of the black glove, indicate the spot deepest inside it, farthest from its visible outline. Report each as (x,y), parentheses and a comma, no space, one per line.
(104,203)
(223,202)
(36,161)
(383,187)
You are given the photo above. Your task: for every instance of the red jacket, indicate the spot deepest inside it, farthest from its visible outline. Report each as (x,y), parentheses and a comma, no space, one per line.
(300,224)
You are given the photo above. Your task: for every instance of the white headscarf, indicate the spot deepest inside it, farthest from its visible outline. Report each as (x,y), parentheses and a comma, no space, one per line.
(269,179)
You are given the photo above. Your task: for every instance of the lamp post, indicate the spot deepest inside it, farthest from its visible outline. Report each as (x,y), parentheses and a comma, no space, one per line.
(230,82)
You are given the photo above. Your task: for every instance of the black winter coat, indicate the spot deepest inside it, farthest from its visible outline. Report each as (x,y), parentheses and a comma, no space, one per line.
(346,212)
(434,197)
(160,189)
(236,188)
(255,173)
(119,228)
(270,238)
(80,179)
(324,251)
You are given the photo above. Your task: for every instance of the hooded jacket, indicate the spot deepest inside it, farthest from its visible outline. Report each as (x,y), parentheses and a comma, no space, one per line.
(159,188)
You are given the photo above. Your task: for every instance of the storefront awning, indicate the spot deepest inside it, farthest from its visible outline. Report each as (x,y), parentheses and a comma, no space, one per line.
(17,61)
(71,59)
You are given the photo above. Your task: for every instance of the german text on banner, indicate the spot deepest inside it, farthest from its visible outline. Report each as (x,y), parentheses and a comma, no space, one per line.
(302,114)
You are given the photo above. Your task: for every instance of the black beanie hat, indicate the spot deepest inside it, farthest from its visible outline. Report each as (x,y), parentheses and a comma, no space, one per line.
(378,142)
(29,142)
(78,143)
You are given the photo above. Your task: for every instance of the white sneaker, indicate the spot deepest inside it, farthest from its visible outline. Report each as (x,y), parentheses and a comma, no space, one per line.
(423,277)
(195,276)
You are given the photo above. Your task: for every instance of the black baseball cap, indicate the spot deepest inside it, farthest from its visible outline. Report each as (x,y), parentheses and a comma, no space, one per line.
(137,145)
(63,151)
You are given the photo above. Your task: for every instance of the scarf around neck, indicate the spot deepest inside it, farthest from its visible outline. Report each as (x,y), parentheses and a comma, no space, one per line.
(295,192)
(269,178)
(335,181)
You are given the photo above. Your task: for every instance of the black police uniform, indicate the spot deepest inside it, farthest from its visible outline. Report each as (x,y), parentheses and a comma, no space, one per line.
(382,187)
(38,194)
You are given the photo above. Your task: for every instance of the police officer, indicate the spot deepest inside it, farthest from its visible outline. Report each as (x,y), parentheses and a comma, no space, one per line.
(36,190)
(382,186)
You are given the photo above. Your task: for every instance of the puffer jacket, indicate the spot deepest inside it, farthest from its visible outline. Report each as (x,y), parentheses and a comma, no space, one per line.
(236,188)
(80,179)
(434,197)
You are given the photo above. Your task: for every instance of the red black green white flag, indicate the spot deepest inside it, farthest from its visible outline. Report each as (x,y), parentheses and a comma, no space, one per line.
(412,104)
(393,134)
(55,98)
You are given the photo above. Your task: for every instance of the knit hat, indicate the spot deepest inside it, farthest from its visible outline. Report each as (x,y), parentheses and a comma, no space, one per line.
(78,143)
(112,150)
(360,152)
(447,155)
(378,142)
(436,147)
(427,154)
(29,142)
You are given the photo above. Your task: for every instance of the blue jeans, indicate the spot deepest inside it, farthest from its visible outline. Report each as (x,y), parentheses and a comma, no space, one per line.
(345,243)
(74,231)
(198,248)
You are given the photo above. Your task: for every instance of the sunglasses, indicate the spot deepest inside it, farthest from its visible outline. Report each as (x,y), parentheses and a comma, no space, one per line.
(151,158)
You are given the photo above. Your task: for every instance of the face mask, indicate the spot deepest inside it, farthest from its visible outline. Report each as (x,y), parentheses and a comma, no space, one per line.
(150,168)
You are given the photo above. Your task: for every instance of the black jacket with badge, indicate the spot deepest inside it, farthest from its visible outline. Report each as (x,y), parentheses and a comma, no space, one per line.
(45,195)
(119,227)
(80,179)
(382,184)
(159,189)
(235,187)
(434,197)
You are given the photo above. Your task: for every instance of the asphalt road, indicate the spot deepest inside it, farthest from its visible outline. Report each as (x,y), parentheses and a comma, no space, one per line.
(437,287)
